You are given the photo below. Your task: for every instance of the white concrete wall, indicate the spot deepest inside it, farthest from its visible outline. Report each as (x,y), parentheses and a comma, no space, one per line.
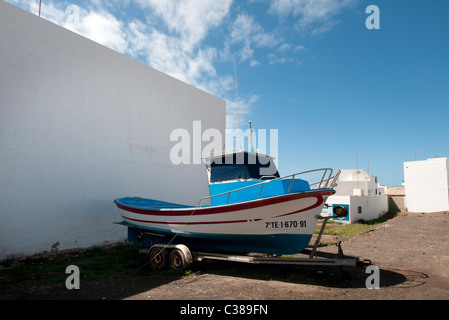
(81,125)
(426,185)
(372,206)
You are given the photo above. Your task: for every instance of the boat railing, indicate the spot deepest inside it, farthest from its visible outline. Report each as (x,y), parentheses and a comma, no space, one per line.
(327,181)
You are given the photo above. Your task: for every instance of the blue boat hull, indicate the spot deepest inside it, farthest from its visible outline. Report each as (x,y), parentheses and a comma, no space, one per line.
(270,244)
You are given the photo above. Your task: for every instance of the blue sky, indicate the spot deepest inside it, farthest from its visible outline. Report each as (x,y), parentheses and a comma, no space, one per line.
(310,69)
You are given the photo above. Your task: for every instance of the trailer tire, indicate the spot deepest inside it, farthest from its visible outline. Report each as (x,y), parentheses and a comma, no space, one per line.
(177,260)
(158,258)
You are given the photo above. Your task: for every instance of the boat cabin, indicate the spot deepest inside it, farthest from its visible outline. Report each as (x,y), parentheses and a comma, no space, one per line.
(240,166)
(239,170)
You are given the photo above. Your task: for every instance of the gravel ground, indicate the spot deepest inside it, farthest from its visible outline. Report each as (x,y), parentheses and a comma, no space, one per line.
(410,251)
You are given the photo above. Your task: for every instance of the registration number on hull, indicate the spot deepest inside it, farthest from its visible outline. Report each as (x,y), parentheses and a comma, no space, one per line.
(285,224)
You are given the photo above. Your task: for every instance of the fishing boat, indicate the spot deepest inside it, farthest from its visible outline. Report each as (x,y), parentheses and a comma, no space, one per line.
(250,208)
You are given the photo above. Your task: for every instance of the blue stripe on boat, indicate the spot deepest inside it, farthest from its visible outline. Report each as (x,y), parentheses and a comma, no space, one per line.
(143,203)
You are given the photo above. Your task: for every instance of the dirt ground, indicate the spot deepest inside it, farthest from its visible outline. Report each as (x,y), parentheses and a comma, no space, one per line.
(411,251)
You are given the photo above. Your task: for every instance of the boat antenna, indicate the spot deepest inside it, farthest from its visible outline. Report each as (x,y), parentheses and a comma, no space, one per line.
(251,135)
(237,102)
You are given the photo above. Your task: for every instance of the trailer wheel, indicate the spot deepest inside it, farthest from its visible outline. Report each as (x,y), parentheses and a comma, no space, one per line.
(177,260)
(158,258)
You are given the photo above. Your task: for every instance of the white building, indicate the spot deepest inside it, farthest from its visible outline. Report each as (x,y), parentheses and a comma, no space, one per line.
(82,125)
(427,185)
(361,194)
(358,183)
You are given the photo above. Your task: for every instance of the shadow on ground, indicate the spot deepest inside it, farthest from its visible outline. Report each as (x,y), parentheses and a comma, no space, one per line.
(332,277)
(140,278)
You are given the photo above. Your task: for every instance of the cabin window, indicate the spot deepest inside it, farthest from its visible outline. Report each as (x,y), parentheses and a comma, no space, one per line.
(243,166)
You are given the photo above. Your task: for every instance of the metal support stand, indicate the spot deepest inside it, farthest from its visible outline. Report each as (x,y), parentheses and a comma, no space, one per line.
(317,241)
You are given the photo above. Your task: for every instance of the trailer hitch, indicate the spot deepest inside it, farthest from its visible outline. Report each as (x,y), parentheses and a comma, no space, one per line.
(340,254)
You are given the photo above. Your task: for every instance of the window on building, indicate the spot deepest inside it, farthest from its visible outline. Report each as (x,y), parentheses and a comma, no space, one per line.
(359,209)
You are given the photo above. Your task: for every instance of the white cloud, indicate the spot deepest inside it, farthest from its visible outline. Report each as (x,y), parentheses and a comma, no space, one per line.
(191,20)
(283,54)
(31,6)
(181,53)
(101,26)
(274,59)
(254,63)
(245,105)
(313,16)
(172,39)
(284,47)
(167,54)
(249,33)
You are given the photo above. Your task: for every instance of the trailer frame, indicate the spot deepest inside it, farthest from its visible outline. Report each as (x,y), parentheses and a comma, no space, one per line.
(179,256)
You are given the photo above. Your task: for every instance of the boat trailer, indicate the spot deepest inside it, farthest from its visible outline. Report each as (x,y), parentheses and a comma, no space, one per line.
(178,256)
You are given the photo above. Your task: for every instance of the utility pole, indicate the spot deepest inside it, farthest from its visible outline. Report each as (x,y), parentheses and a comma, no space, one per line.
(357,162)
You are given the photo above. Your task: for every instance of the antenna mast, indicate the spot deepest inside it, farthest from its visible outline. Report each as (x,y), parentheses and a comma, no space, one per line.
(237,101)
(251,135)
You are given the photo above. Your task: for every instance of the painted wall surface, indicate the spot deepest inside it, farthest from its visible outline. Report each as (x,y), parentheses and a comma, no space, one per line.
(372,207)
(427,185)
(336,200)
(82,125)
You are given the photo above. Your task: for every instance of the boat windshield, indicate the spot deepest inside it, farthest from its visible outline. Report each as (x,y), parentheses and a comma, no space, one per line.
(243,165)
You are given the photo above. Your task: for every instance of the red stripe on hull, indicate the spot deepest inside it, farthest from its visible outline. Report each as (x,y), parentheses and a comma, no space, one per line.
(188,223)
(233,207)
(318,203)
